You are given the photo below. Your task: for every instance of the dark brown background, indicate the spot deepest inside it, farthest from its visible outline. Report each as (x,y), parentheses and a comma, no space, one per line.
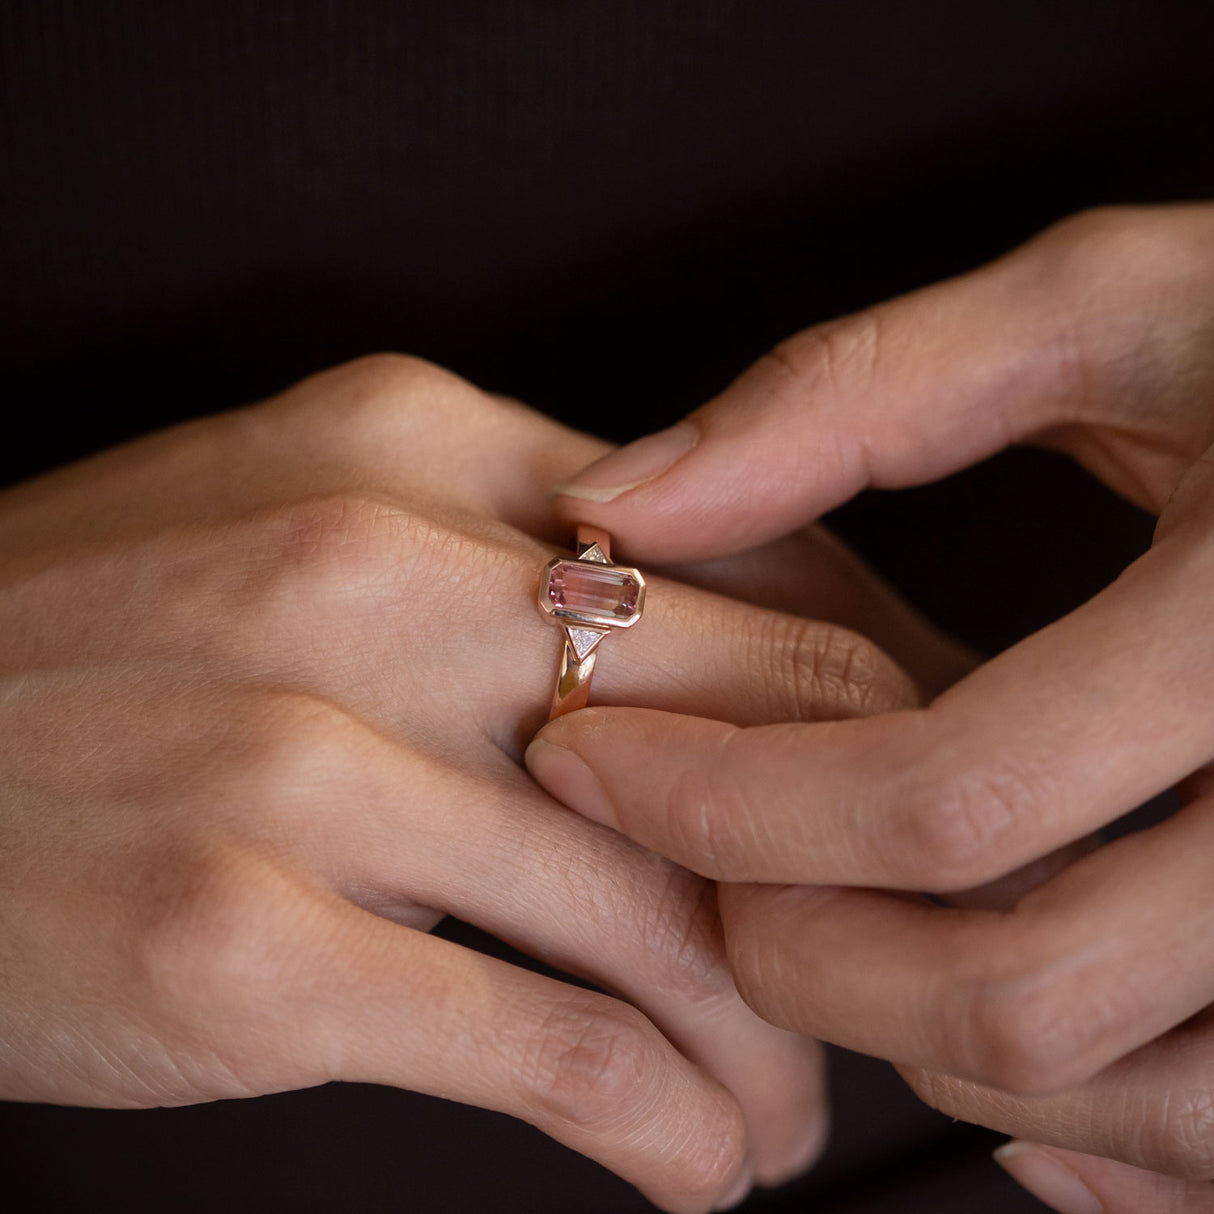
(580,204)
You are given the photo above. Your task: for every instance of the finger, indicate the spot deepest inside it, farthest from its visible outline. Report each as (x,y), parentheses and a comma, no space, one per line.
(1072,1183)
(1054,738)
(395,441)
(596,905)
(479,841)
(1152,1110)
(403,426)
(356,564)
(368,606)
(388,427)
(813,574)
(1095,963)
(1004,893)
(413,601)
(389,1005)
(1079,326)
(704,654)
(250,978)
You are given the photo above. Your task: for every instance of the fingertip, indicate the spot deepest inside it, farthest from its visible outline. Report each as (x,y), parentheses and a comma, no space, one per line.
(738,1192)
(656,494)
(803,1157)
(1096,1184)
(637,464)
(1047,1177)
(569,779)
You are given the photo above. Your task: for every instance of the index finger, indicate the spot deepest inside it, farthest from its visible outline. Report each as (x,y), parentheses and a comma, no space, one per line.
(1059,735)
(1072,331)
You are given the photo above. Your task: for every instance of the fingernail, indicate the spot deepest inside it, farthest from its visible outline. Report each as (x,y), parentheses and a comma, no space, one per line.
(569,780)
(631,466)
(740,1191)
(1047,1178)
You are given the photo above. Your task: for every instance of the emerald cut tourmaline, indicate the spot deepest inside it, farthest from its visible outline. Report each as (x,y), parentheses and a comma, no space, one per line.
(609,593)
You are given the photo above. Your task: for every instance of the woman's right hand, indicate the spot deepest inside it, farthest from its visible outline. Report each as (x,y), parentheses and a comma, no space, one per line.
(264,684)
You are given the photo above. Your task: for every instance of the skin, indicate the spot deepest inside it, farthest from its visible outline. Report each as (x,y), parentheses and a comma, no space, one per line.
(1070,1005)
(265,682)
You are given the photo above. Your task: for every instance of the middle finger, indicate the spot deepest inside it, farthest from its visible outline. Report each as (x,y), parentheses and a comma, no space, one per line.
(490,848)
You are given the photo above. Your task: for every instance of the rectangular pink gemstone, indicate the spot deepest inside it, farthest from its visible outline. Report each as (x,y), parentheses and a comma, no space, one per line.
(594,589)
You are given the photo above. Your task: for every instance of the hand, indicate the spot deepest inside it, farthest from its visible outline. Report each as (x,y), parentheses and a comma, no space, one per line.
(265,683)
(1081,1017)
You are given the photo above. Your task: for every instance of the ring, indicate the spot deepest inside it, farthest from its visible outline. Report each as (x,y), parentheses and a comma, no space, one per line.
(589,597)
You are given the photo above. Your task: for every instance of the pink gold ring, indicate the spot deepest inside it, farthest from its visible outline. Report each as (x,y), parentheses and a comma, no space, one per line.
(589,597)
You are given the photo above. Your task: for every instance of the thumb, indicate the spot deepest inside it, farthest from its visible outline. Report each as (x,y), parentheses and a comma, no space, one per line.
(897,395)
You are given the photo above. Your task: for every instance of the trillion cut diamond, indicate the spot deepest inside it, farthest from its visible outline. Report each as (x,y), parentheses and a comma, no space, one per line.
(584,640)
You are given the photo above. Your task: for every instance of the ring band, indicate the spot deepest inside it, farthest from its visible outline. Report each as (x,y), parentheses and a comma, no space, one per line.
(589,597)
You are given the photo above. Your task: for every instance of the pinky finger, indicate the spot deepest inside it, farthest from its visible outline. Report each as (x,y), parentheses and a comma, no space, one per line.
(1072,1183)
(414,1011)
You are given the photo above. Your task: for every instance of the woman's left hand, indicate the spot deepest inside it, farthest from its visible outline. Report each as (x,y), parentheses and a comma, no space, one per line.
(265,681)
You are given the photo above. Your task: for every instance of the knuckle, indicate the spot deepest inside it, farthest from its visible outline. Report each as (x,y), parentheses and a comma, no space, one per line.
(333,551)
(777,970)
(951,830)
(709,819)
(682,938)
(707,1161)
(285,755)
(777,989)
(674,930)
(1026,1034)
(1180,1141)
(349,543)
(220,962)
(1174,1137)
(345,529)
(386,381)
(300,740)
(203,941)
(1106,353)
(592,1062)
(1115,241)
(250,591)
(839,356)
(388,369)
(600,1066)
(377,399)
(346,566)
(824,671)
